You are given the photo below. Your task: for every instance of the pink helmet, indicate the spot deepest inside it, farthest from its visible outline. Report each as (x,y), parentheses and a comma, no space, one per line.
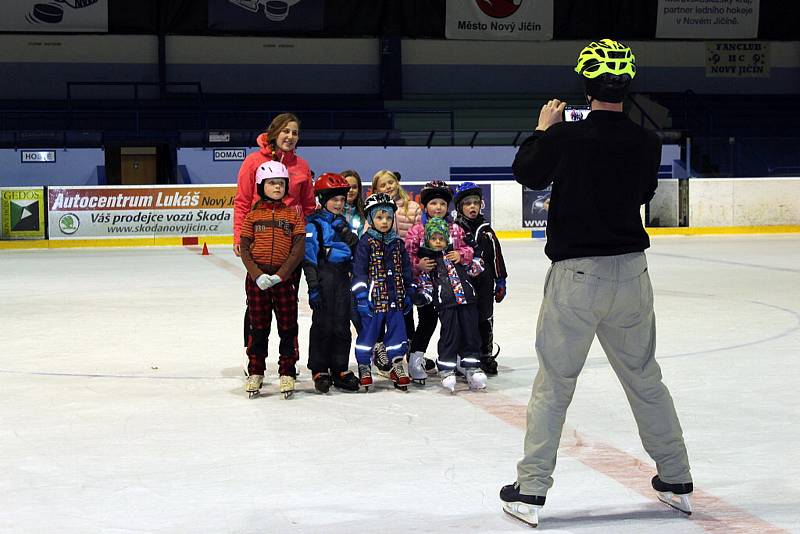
(270,170)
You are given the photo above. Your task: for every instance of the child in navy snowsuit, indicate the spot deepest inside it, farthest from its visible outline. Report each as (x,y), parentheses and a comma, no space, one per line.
(449,289)
(383,289)
(490,285)
(327,264)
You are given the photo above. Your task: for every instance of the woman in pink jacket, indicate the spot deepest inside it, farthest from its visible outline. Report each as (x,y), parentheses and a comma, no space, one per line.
(277,143)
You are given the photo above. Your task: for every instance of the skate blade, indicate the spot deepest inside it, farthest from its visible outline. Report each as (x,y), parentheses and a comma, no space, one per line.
(401,388)
(526,513)
(288,394)
(681,503)
(419,381)
(253,394)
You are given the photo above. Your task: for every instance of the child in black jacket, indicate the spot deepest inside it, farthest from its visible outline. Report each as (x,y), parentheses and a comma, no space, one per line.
(490,285)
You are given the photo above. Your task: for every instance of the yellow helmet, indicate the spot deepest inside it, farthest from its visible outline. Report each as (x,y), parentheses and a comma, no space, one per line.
(606,57)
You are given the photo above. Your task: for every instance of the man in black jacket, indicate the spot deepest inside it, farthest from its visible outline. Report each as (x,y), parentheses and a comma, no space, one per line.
(602,170)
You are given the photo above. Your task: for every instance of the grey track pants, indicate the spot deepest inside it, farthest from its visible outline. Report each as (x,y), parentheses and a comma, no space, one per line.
(609,296)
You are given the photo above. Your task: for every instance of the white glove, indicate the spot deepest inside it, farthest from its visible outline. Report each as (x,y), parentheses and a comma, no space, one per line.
(264,282)
(274,280)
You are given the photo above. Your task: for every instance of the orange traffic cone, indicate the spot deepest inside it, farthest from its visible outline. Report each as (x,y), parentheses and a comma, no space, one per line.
(205,249)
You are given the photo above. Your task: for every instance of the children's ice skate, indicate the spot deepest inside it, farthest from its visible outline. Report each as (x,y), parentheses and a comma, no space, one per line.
(674,495)
(322,382)
(475,378)
(287,386)
(381,360)
(365,376)
(449,381)
(253,385)
(489,365)
(430,367)
(523,507)
(416,367)
(346,380)
(398,374)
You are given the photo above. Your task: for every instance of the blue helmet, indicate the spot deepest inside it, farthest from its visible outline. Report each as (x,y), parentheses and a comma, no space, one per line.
(466,189)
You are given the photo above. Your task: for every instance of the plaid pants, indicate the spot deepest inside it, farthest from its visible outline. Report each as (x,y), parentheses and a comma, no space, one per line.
(282,299)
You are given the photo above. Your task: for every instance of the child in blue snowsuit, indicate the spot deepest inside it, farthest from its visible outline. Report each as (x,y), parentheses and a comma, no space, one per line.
(328,260)
(383,289)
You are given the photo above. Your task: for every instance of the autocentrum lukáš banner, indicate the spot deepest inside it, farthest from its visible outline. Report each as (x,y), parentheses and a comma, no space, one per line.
(140,211)
(22,212)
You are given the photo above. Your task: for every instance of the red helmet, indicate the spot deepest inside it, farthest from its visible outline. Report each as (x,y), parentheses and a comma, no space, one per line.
(330,185)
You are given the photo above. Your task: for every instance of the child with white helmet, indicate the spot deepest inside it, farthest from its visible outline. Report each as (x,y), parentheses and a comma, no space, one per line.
(272,243)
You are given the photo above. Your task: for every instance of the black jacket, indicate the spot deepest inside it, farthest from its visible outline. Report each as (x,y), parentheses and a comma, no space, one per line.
(602,170)
(479,234)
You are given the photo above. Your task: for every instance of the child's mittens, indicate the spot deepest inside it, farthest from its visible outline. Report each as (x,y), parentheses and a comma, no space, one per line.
(499,290)
(340,225)
(314,299)
(264,282)
(275,279)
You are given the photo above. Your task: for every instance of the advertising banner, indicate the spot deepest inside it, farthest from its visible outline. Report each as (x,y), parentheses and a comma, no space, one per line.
(737,59)
(22,212)
(499,20)
(139,211)
(59,16)
(707,19)
(266,15)
(535,205)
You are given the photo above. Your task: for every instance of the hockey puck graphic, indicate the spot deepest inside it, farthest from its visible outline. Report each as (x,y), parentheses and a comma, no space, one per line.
(50,13)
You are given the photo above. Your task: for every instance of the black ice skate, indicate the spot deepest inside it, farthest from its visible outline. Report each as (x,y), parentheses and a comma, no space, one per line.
(489,365)
(674,495)
(381,360)
(430,367)
(523,507)
(322,382)
(346,380)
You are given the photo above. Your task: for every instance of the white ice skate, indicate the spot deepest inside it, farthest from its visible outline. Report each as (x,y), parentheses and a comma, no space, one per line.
(449,381)
(675,495)
(416,367)
(253,385)
(287,386)
(527,513)
(476,378)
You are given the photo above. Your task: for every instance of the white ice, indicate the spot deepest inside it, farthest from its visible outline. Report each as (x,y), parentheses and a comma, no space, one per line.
(122,406)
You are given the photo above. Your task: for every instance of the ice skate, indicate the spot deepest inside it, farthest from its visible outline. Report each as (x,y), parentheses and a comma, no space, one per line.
(523,507)
(449,381)
(489,365)
(381,360)
(365,376)
(416,367)
(253,385)
(398,374)
(322,382)
(475,378)
(674,495)
(287,386)
(346,380)
(430,367)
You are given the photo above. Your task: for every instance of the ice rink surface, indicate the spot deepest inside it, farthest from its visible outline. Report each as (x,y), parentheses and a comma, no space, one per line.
(122,406)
